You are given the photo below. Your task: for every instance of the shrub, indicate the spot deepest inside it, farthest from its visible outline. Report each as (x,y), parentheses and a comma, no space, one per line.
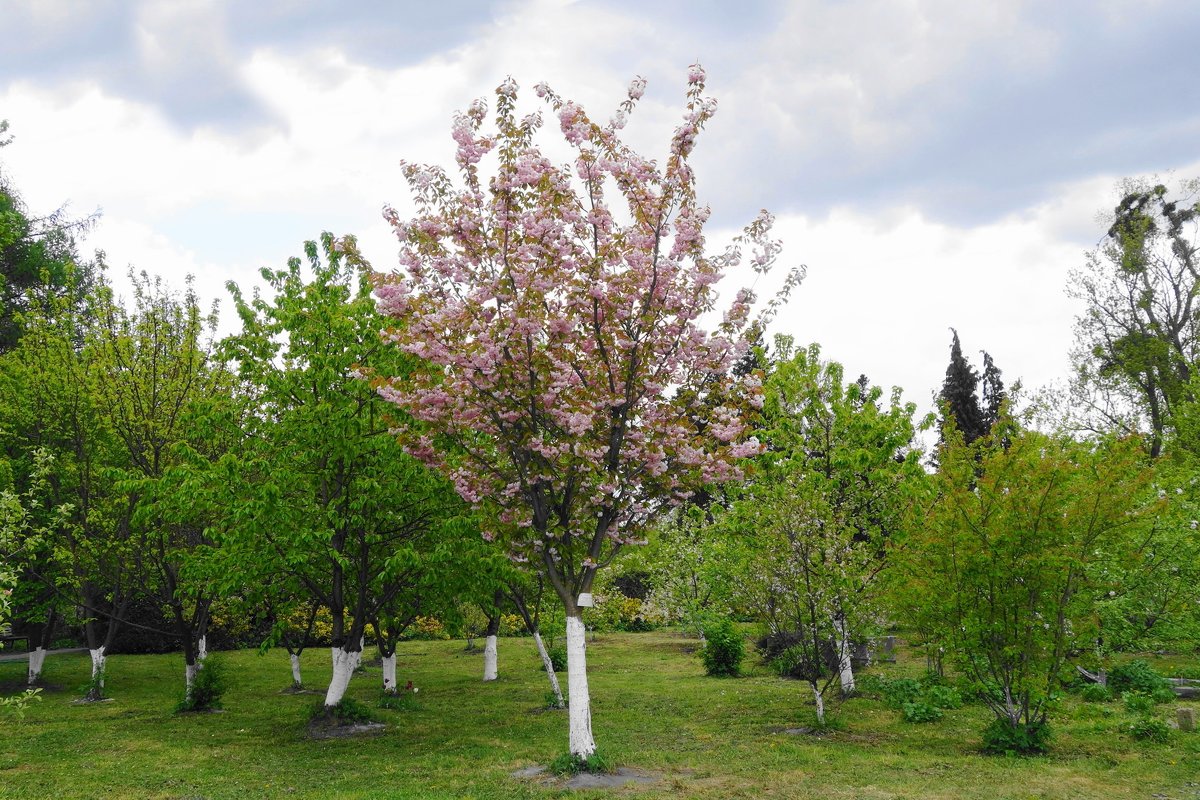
(899,691)
(1096,693)
(723,648)
(427,628)
(571,764)
(558,657)
(346,711)
(207,687)
(1137,676)
(1150,729)
(1137,702)
(1001,737)
(946,697)
(919,711)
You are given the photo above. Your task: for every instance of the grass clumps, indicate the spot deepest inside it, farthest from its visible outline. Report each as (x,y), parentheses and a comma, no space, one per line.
(1001,737)
(573,764)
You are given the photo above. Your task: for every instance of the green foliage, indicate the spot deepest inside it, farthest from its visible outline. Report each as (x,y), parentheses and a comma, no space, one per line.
(918,711)
(16,706)
(572,764)
(1137,702)
(208,687)
(558,657)
(945,697)
(1136,676)
(400,700)
(1002,737)
(997,559)
(1096,693)
(346,711)
(1150,729)
(724,648)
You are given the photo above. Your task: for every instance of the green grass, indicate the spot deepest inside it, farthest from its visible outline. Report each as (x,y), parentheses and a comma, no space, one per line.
(652,708)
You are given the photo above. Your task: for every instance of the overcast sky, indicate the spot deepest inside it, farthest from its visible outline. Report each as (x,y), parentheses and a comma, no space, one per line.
(934,164)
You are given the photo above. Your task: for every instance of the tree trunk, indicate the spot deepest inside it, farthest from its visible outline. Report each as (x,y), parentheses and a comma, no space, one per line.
(490,658)
(549,665)
(344,664)
(37,659)
(820,701)
(296,682)
(389,673)
(201,649)
(189,675)
(845,669)
(580,709)
(96,691)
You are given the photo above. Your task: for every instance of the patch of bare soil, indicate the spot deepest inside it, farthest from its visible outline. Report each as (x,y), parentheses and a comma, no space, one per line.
(622,776)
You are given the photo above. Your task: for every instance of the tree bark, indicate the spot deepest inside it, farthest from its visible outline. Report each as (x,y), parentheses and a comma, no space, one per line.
(845,669)
(37,660)
(820,701)
(549,666)
(344,664)
(579,709)
(389,673)
(490,658)
(296,682)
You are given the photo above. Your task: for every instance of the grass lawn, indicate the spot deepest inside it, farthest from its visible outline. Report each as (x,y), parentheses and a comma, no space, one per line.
(652,708)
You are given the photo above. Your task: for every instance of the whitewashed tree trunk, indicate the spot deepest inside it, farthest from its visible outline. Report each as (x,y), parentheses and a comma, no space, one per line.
(344,663)
(845,670)
(490,658)
(333,655)
(295,658)
(189,675)
(201,649)
(389,673)
(98,660)
(549,665)
(820,700)
(580,707)
(37,660)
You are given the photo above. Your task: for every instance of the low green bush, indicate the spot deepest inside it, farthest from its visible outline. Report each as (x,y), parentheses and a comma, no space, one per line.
(208,687)
(346,710)
(919,711)
(944,697)
(1136,676)
(1150,729)
(723,648)
(1096,693)
(1137,702)
(558,657)
(1001,737)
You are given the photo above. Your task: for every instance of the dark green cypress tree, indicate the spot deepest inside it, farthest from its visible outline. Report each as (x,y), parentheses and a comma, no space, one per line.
(959,398)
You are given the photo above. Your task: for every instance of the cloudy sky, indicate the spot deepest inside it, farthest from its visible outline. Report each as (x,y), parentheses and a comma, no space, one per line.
(934,163)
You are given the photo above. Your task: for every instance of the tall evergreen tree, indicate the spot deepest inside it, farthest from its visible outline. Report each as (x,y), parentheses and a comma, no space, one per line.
(992,388)
(959,398)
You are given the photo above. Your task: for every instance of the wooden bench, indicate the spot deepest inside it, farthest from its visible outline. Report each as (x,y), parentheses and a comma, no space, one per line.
(7,635)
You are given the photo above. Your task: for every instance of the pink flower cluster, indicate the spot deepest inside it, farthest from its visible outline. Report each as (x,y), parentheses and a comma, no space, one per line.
(569,392)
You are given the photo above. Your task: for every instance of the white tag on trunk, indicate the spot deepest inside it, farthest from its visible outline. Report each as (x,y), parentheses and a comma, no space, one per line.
(585,600)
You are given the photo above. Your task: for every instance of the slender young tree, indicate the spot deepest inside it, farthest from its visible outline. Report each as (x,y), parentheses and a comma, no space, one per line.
(560,310)
(329,495)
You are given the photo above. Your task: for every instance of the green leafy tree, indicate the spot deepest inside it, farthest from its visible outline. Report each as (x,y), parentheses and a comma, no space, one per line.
(329,500)
(157,367)
(1137,342)
(1001,552)
(827,497)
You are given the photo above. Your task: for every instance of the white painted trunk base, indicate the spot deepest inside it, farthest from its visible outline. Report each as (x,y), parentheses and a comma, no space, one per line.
(580,707)
(201,649)
(295,669)
(189,675)
(549,665)
(389,673)
(820,703)
(37,660)
(344,663)
(845,670)
(490,659)
(98,660)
